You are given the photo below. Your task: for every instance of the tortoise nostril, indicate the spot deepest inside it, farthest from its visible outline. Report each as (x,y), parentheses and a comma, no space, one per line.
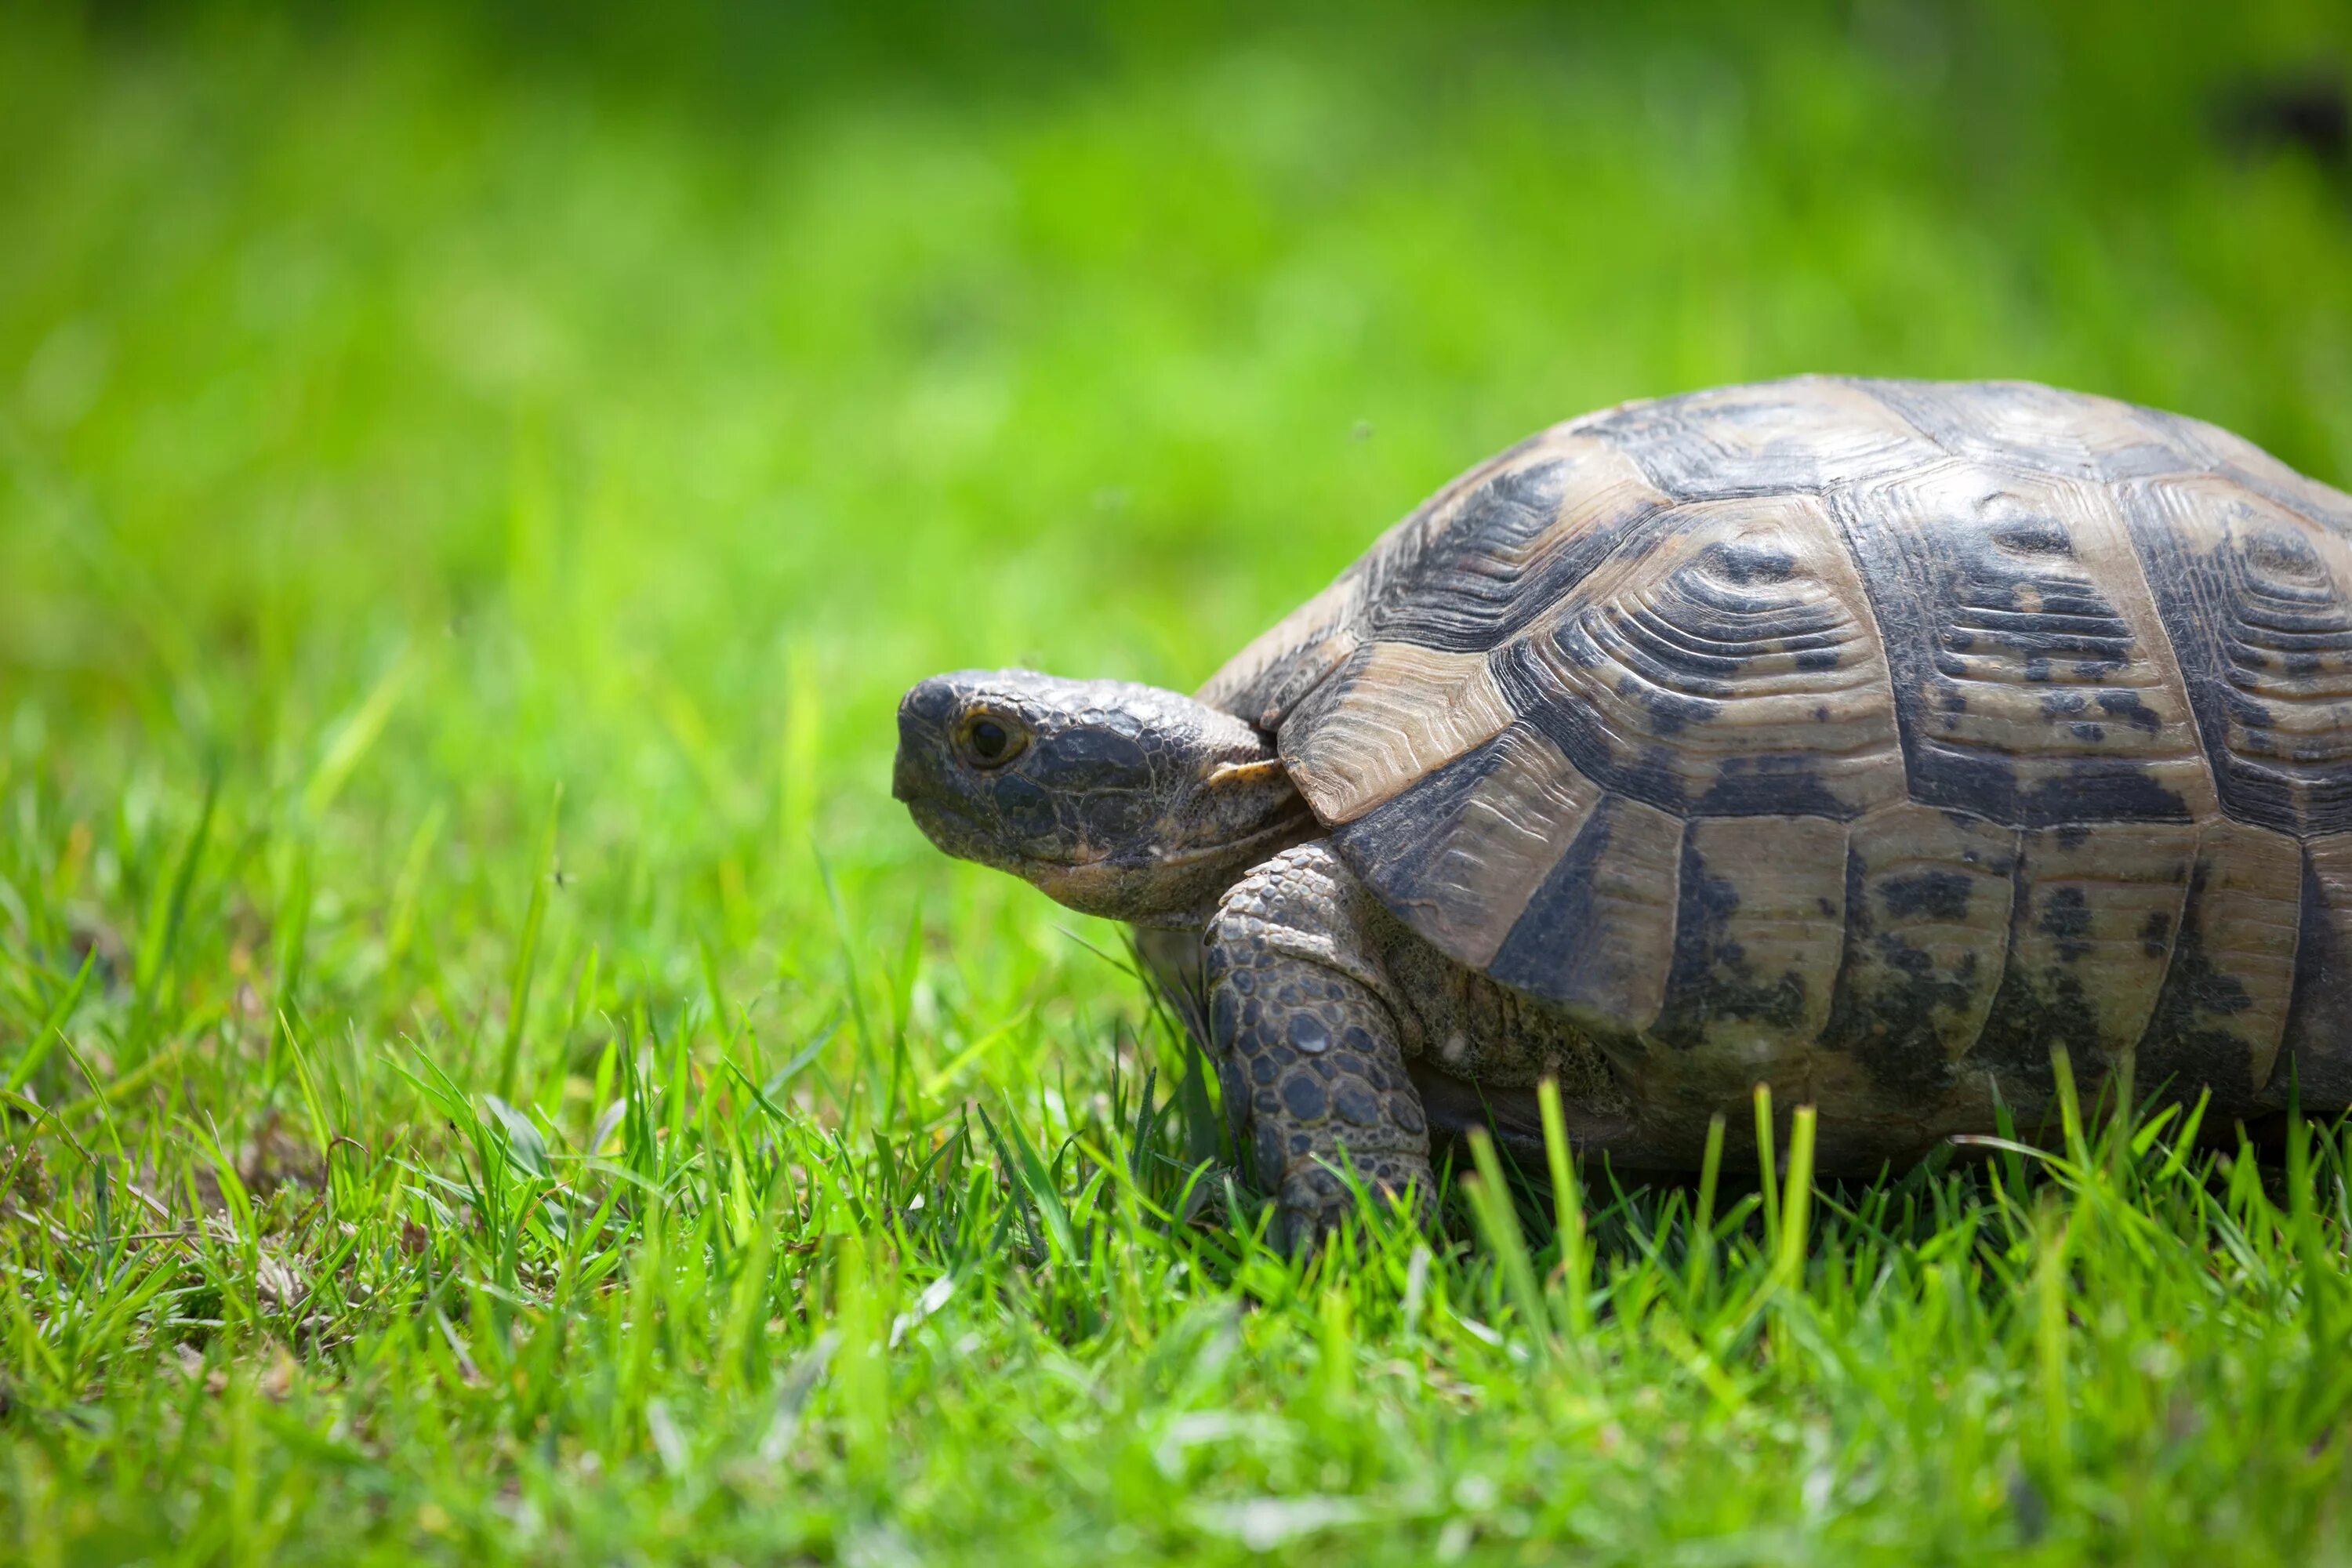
(933,700)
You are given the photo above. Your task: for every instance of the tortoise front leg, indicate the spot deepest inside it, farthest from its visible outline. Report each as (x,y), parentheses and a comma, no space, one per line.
(1307,1049)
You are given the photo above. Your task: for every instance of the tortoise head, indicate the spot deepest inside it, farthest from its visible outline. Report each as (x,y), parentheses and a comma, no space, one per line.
(1116,799)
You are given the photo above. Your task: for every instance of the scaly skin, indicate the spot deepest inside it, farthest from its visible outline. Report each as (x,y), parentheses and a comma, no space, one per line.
(1309,1037)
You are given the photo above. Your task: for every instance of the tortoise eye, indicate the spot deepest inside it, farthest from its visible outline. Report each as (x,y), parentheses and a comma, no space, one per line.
(988,741)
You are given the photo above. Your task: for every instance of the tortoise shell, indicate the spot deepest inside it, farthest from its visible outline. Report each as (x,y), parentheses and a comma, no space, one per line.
(1883,733)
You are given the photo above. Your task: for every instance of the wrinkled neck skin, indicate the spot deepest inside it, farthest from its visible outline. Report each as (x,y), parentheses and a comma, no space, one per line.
(1242,815)
(1118,800)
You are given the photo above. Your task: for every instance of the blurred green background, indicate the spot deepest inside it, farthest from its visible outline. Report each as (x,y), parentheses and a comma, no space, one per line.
(641,399)
(406,411)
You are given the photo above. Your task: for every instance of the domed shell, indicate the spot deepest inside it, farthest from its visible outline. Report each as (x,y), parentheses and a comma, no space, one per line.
(1892,730)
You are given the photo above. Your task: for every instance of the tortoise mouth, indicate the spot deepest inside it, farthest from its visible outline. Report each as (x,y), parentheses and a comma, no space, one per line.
(969,835)
(958,830)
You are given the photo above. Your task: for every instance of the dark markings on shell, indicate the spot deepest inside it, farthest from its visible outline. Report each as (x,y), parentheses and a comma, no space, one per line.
(2256,599)
(1459,854)
(1399,847)
(2247,465)
(2021,689)
(1929,895)
(2022,425)
(1762,901)
(1266,679)
(2223,1010)
(1737,675)
(2315,1058)
(1498,561)
(1790,435)
(2091,932)
(1712,979)
(1597,936)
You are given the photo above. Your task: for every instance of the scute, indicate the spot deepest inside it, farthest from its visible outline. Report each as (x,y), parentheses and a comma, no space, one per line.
(1760,910)
(1775,439)
(2090,937)
(1385,717)
(2040,429)
(1509,547)
(2223,1011)
(1928,902)
(1462,856)
(1598,935)
(1728,666)
(2316,1065)
(2257,596)
(2032,677)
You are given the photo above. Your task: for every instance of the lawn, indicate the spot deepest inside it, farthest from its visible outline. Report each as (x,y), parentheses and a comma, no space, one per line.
(490,1074)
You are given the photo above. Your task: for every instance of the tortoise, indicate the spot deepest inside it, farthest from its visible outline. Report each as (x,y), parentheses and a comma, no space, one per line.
(1868,738)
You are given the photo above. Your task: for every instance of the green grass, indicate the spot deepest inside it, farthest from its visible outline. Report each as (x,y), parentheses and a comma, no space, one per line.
(492,1074)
